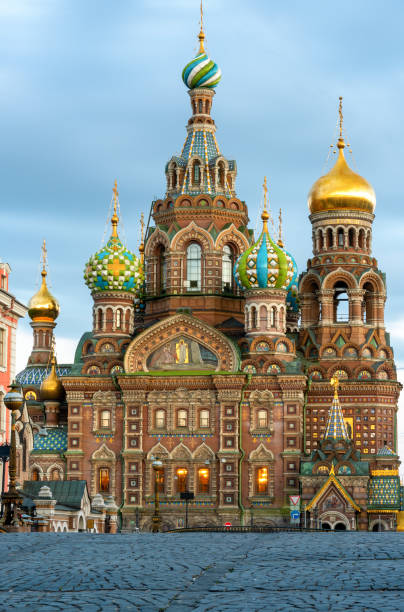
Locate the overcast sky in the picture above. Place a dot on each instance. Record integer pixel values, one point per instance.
(91, 91)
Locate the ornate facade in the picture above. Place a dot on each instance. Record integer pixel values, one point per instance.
(197, 355)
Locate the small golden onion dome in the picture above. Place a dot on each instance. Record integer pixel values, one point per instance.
(341, 189)
(51, 388)
(43, 306)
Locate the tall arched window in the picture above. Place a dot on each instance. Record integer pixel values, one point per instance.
(105, 419)
(341, 302)
(161, 281)
(351, 237)
(100, 319)
(197, 173)
(103, 483)
(118, 319)
(262, 480)
(361, 239)
(330, 238)
(194, 267)
(221, 174)
(340, 237)
(368, 303)
(203, 480)
(254, 318)
(181, 479)
(321, 240)
(227, 268)
(35, 474)
(262, 419)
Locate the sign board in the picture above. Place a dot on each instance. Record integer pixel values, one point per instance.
(294, 515)
(294, 500)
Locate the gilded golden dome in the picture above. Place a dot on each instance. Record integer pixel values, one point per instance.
(341, 188)
(51, 388)
(43, 305)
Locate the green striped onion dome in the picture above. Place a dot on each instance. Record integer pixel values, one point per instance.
(201, 72)
(265, 265)
(114, 268)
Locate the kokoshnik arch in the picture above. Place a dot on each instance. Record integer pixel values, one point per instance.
(210, 351)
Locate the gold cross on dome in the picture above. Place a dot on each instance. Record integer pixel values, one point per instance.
(116, 267)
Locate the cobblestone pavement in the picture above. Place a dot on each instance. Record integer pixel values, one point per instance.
(363, 572)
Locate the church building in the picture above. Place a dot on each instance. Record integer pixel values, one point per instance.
(211, 353)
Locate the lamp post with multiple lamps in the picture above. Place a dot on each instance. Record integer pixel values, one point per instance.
(156, 519)
(11, 499)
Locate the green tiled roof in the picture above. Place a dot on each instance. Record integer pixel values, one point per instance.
(384, 492)
(67, 493)
(52, 439)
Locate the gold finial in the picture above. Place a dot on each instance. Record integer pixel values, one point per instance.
(341, 143)
(44, 260)
(280, 241)
(332, 470)
(265, 214)
(201, 35)
(115, 218)
(334, 382)
(141, 246)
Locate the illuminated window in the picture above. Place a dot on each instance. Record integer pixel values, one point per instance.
(203, 480)
(160, 421)
(204, 418)
(105, 419)
(182, 418)
(262, 419)
(262, 480)
(159, 476)
(182, 479)
(194, 254)
(104, 480)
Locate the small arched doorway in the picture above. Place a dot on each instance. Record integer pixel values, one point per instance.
(379, 526)
(81, 525)
(326, 526)
(339, 527)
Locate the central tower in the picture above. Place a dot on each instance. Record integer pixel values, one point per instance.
(200, 227)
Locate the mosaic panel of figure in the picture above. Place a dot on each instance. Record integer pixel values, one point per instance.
(182, 354)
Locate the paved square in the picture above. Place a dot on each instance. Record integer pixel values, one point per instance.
(203, 571)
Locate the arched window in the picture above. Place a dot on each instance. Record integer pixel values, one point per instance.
(368, 241)
(200, 108)
(330, 238)
(321, 240)
(361, 239)
(340, 237)
(35, 474)
(204, 418)
(351, 237)
(182, 418)
(194, 268)
(160, 479)
(262, 480)
(273, 316)
(100, 319)
(341, 302)
(181, 479)
(254, 318)
(263, 317)
(197, 173)
(105, 419)
(368, 303)
(262, 419)
(160, 419)
(227, 268)
(103, 483)
(203, 480)
(55, 474)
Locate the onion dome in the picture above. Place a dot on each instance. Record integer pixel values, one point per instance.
(201, 71)
(51, 388)
(43, 306)
(114, 267)
(265, 264)
(341, 188)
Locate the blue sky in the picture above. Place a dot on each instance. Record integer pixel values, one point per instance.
(92, 91)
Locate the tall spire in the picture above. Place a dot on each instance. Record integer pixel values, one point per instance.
(265, 214)
(201, 35)
(341, 142)
(115, 218)
(336, 428)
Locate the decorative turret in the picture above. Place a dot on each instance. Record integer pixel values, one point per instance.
(43, 309)
(266, 273)
(336, 428)
(115, 276)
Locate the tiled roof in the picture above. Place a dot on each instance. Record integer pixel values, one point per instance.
(336, 428)
(384, 492)
(386, 451)
(34, 375)
(66, 492)
(52, 439)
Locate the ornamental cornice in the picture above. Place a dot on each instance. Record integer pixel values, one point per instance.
(337, 215)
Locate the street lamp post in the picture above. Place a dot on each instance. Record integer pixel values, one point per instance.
(12, 500)
(156, 519)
